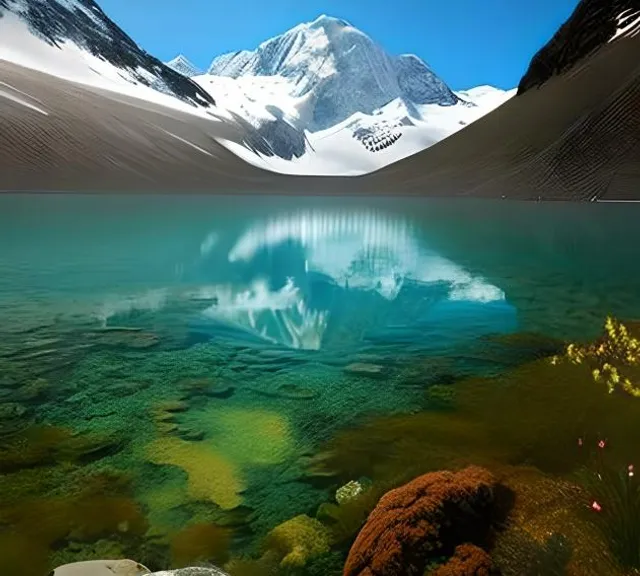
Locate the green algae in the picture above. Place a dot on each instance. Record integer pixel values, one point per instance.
(210, 475)
(244, 465)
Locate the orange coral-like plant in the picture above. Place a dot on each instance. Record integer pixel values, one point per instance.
(421, 520)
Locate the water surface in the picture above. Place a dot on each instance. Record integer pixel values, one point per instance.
(184, 361)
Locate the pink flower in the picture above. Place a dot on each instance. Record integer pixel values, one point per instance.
(630, 470)
(579, 441)
(601, 444)
(595, 506)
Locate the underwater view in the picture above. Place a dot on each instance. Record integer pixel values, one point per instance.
(207, 381)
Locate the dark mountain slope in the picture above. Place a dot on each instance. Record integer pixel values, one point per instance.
(592, 25)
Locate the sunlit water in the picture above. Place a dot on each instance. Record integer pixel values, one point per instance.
(278, 323)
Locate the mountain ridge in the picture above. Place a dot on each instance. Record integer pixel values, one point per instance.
(84, 23)
(184, 66)
(341, 67)
(592, 25)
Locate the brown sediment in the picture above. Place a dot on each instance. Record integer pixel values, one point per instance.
(200, 543)
(547, 509)
(47, 445)
(34, 526)
(534, 414)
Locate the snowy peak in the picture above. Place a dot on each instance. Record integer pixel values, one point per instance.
(340, 68)
(82, 23)
(184, 66)
(325, 20)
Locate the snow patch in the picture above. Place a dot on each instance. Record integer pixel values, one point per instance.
(70, 62)
(184, 66)
(362, 143)
(628, 24)
(184, 141)
(23, 102)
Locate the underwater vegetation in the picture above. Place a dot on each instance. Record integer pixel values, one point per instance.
(427, 518)
(79, 517)
(200, 542)
(199, 458)
(614, 358)
(614, 504)
(288, 549)
(466, 559)
(522, 425)
(530, 415)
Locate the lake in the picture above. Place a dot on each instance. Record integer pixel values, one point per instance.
(187, 380)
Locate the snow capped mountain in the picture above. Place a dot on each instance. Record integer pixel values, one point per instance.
(340, 69)
(75, 39)
(362, 143)
(329, 100)
(322, 98)
(182, 65)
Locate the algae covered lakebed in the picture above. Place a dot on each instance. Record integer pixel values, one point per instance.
(208, 380)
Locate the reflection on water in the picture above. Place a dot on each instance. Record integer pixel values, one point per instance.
(188, 379)
(309, 271)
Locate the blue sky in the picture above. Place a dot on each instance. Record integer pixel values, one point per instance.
(467, 42)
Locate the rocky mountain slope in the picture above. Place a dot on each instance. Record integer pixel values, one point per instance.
(339, 69)
(182, 65)
(83, 23)
(329, 100)
(593, 24)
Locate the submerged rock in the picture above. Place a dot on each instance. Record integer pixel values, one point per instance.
(33, 389)
(210, 387)
(422, 520)
(11, 410)
(102, 568)
(210, 571)
(350, 490)
(14, 417)
(288, 392)
(121, 337)
(45, 445)
(364, 369)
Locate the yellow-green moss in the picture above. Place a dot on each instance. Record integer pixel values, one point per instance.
(211, 476)
(249, 436)
(298, 540)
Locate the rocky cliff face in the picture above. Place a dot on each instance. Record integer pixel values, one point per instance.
(185, 67)
(593, 24)
(340, 69)
(83, 23)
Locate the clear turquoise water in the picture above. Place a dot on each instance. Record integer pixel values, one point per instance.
(116, 301)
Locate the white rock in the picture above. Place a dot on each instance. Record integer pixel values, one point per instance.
(192, 572)
(102, 568)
